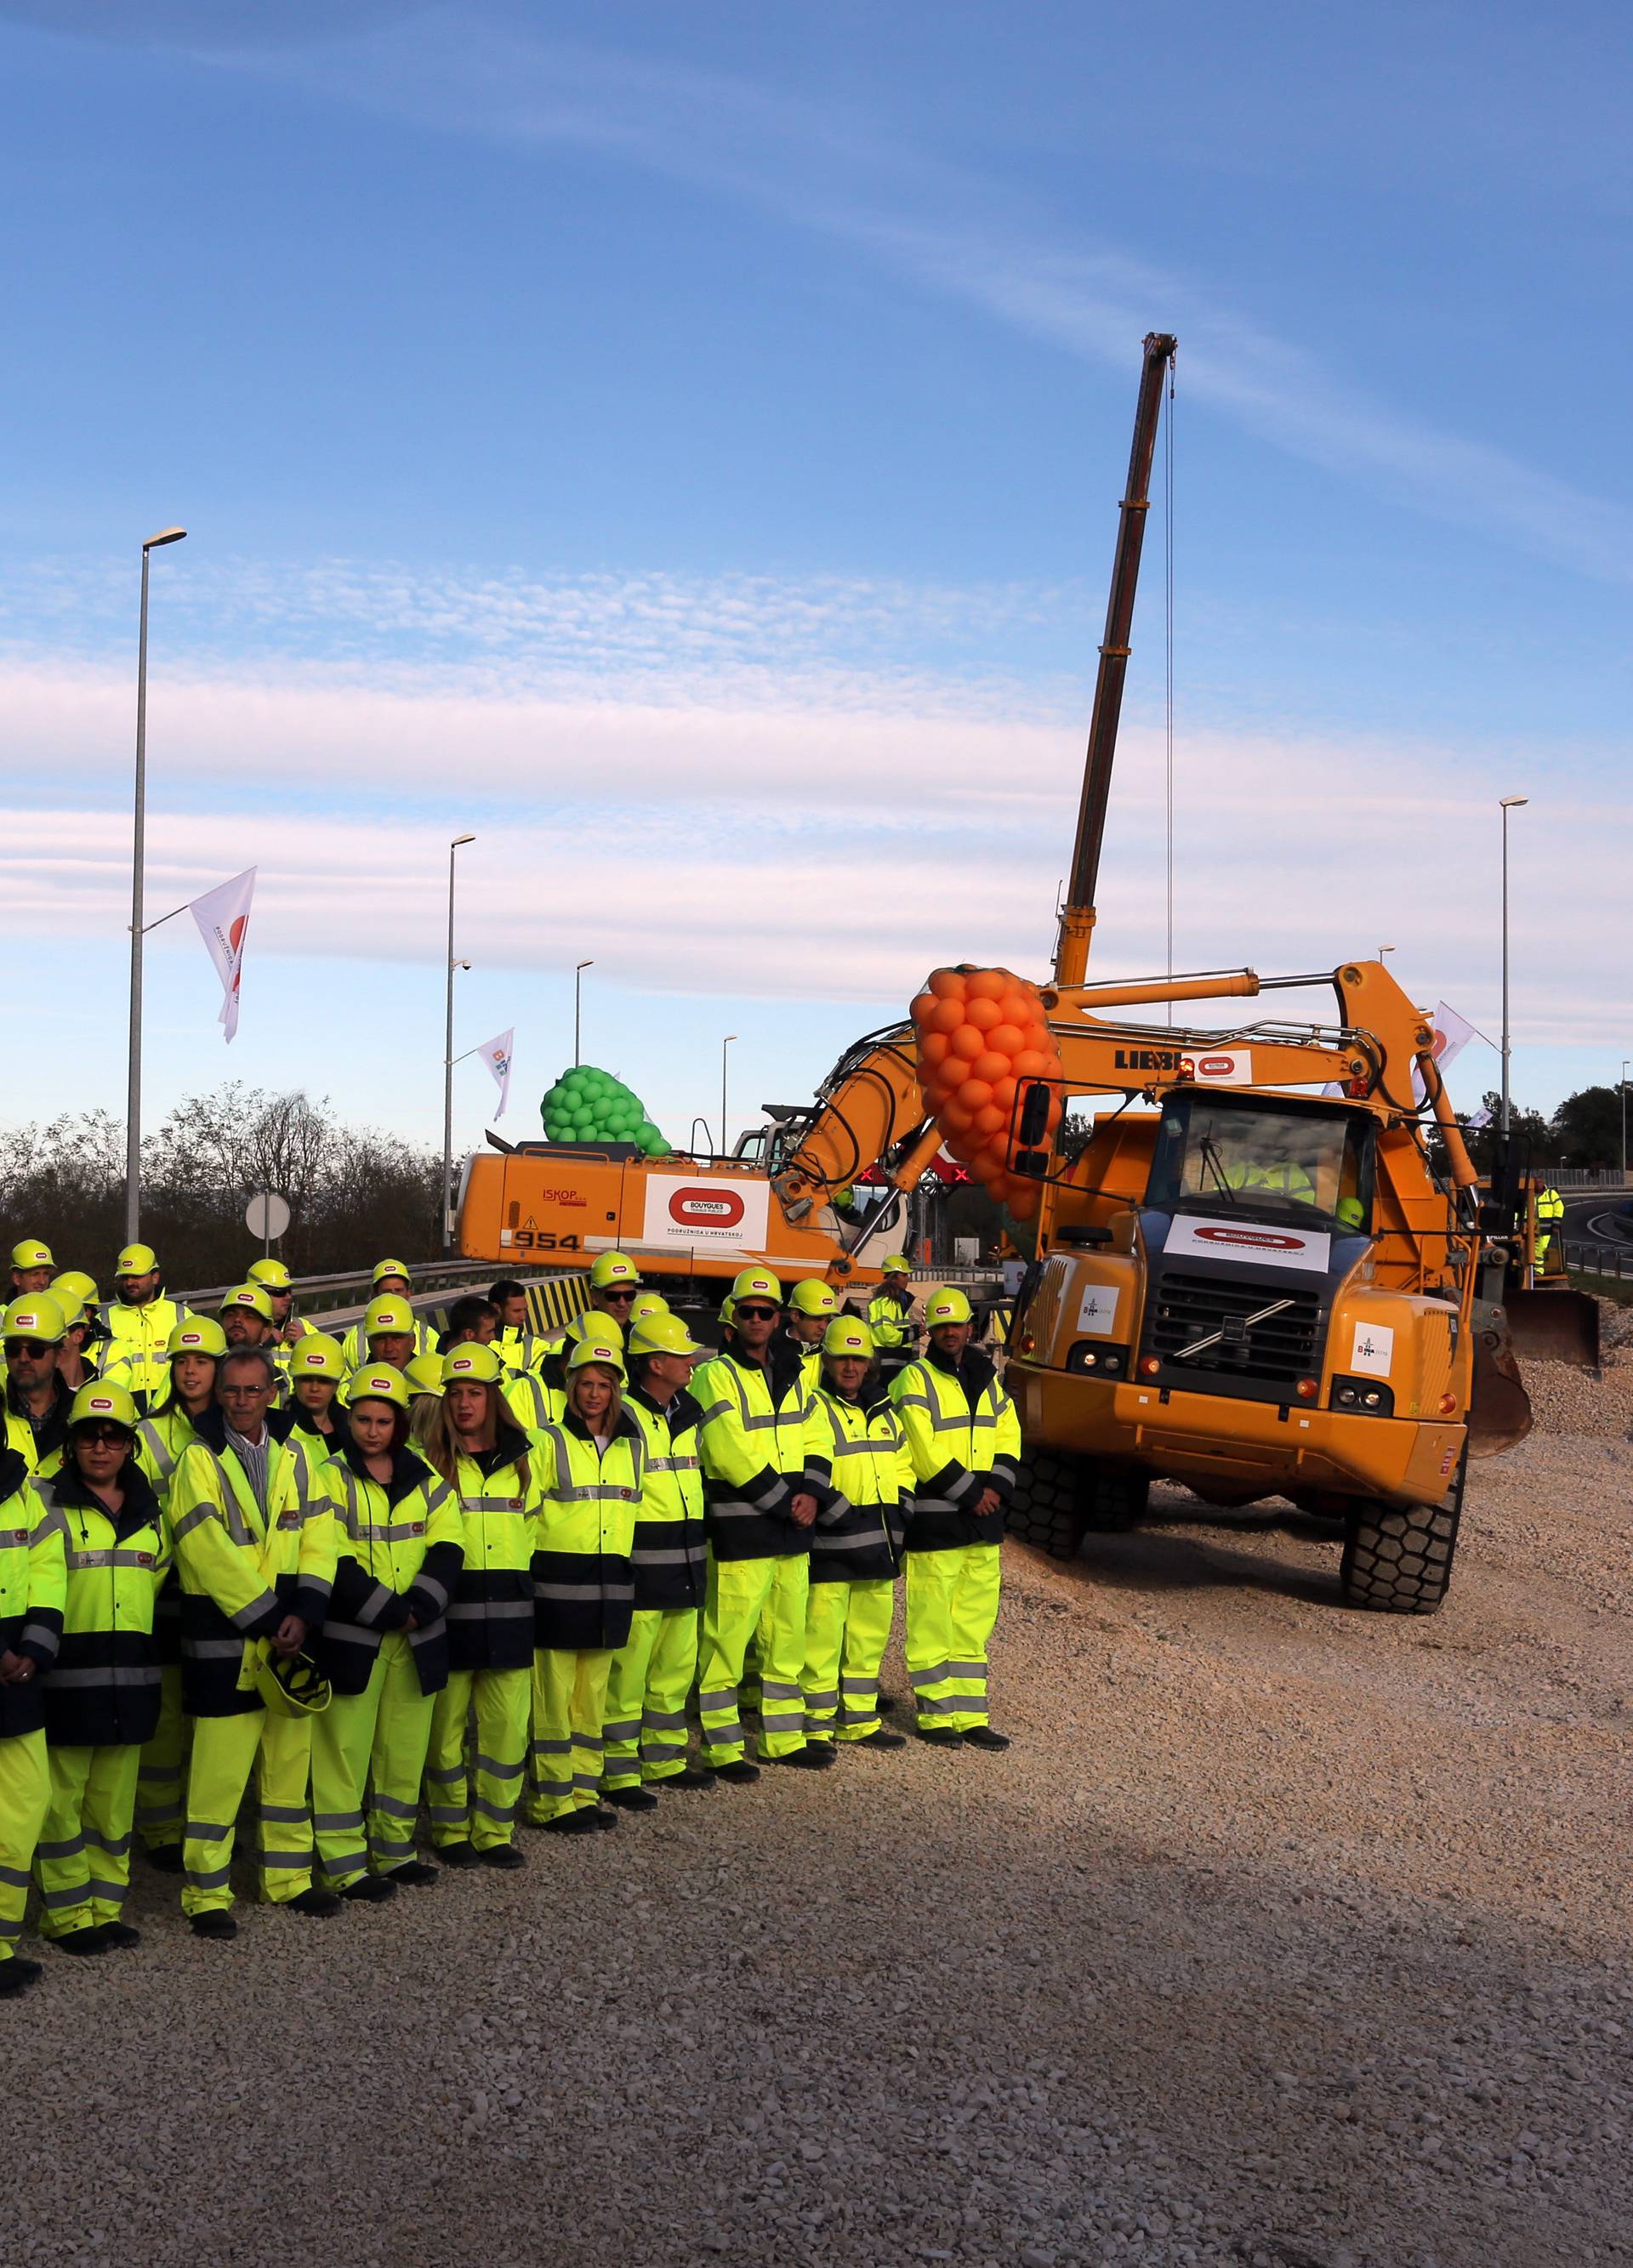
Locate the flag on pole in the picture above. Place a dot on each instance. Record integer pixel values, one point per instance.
(496, 1055)
(1452, 1033)
(223, 918)
(1478, 1118)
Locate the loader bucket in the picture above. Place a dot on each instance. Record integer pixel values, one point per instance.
(1499, 1412)
(1554, 1325)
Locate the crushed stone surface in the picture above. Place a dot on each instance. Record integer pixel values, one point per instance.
(1282, 1936)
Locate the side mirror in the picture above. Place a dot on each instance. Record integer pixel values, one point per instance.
(1034, 1116)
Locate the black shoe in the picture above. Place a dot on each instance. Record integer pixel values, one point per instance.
(216, 1923)
(462, 1853)
(316, 1904)
(741, 1774)
(943, 1736)
(604, 1819)
(982, 1736)
(80, 1941)
(414, 1874)
(116, 1935)
(166, 1859)
(582, 1822)
(505, 1856)
(17, 1975)
(691, 1777)
(630, 1798)
(816, 1756)
(883, 1739)
(369, 1890)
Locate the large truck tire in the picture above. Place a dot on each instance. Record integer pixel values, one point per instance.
(1059, 1500)
(1400, 1563)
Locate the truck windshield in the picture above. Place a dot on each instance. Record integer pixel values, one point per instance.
(1255, 1158)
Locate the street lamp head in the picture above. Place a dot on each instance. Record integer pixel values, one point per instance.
(165, 536)
(730, 1037)
(582, 964)
(458, 839)
(1508, 802)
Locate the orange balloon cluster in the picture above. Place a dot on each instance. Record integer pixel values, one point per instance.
(982, 1033)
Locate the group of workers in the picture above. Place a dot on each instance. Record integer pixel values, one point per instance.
(494, 1579)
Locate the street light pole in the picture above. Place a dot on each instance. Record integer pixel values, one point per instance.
(448, 1061)
(1625, 1117)
(725, 1043)
(133, 1091)
(1506, 804)
(577, 978)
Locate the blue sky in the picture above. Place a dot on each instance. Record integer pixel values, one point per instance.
(680, 446)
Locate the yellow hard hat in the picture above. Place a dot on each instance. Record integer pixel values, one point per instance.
(111, 1404)
(758, 1284)
(291, 1686)
(424, 1373)
(595, 1324)
(202, 1335)
(384, 1268)
(813, 1297)
(386, 1314)
(897, 1265)
(32, 1253)
(648, 1303)
(135, 1259)
(36, 1315)
(471, 1364)
(272, 1273)
(728, 1308)
(610, 1268)
(317, 1355)
(249, 1296)
(949, 1305)
(598, 1347)
(847, 1335)
(664, 1334)
(376, 1381)
(73, 1310)
(74, 1284)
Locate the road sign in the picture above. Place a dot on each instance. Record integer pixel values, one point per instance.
(267, 1215)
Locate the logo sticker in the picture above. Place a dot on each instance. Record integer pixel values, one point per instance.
(1372, 1350)
(706, 1208)
(1221, 1067)
(1096, 1310)
(1249, 1240)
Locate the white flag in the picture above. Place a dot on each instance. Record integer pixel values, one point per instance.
(496, 1055)
(223, 918)
(1452, 1033)
(1478, 1118)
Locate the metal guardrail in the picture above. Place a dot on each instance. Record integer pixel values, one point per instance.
(1615, 1260)
(425, 1276)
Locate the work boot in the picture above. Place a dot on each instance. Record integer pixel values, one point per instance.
(816, 1756)
(462, 1853)
(117, 1935)
(505, 1856)
(166, 1859)
(316, 1905)
(369, 1890)
(691, 1776)
(982, 1736)
(89, 1939)
(881, 1739)
(603, 1819)
(740, 1773)
(630, 1798)
(582, 1822)
(415, 1874)
(17, 1975)
(942, 1736)
(216, 1923)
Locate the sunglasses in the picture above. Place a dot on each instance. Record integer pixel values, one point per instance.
(757, 1314)
(104, 1437)
(27, 1350)
(620, 1291)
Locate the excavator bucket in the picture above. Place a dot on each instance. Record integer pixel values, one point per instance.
(1546, 1325)
(1499, 1414)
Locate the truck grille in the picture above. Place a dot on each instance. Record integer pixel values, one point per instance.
(1284, 1346)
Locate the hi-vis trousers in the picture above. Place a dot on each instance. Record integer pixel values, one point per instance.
(227, 1752)
(847, 1626)
(738, 1590)
(952, 1604)
(84, 1859)
(569, 1709)
(652, 1677)
(370, 1746)
(486, 1812)
(25, 1799)
(163, 1773)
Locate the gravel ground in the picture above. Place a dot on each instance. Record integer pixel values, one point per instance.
(1281, 1936)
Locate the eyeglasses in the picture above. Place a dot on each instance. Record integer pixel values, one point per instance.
(27, 1350)
(104, 1437)
(620, 1291)
(756, 1314)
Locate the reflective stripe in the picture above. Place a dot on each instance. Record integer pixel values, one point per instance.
(671, 1719)
(387, 1531)
(595, 1493)
(502, 1814)
(213, 1649)
(63, 1680)
(217, 1878)
(284, 1857)
(68, 1850)
(725, 1699)
(206, 1831)
(612, 1591)
(672, 1464)
(77, 1561)
(552, 1748)
(196, 1518)
(497, 1770)
(443, 1778)
(393, 1807)
(338, 1822)
(929, 1676)
(477, 1611)
(284, 1815)
(267, 1603)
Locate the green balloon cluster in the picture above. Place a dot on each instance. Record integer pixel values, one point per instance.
(587, 1105)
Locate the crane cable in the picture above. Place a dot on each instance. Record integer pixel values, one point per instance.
(1168, 687)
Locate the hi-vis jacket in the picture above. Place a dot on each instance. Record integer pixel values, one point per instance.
(309, 1446)
(103, 1687)
(33, 1585)
(668, 1556)
(160, 1440)
(859, 1467)
(355, 1354)
(401, 1546)
(964, 1437)
(888, 1317)
(583, 1583)
(41, 1452)
(521, 1349)
(532, 1403)
(751, 1443)
(243, 1568)
(491, 1612)
(135, 1355)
